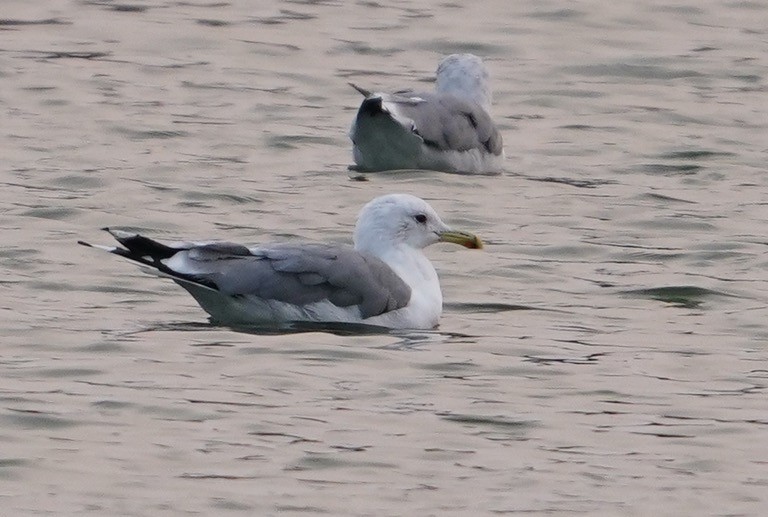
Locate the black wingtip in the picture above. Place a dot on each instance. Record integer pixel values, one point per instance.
(371, 106)
(83, 243)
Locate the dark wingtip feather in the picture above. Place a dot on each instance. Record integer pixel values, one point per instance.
(371, 106)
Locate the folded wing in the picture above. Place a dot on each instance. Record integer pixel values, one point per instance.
(298, 274)
(447, 122)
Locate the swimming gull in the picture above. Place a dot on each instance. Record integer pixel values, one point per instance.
(384, 280)
(449, 129)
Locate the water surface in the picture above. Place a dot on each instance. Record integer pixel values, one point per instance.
(604, 355)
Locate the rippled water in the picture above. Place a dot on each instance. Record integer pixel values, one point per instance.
(605, 355)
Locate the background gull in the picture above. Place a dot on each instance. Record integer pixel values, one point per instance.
(384, 280)
(447, 130)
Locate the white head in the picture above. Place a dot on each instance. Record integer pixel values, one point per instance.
(396, 220)
(465, 75)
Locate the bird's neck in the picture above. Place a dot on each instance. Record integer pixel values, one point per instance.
(415, 269)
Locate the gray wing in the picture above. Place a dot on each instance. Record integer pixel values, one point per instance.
(295, 273)
(448, 122)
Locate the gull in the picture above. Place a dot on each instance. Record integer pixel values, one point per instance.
(449, 129)
(384, 280)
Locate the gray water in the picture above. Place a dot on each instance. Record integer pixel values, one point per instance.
(604, 355)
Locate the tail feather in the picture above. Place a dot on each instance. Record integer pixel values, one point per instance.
(363, 91)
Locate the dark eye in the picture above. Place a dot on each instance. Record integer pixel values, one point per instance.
(420, 218)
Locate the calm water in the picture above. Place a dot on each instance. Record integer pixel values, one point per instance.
(604, 355)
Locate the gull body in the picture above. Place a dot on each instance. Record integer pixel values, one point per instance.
(384, 280)
(449, 129)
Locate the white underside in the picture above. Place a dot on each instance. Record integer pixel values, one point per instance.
(251, 310)
(248, 309)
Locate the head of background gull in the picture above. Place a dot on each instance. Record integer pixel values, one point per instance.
(396, 219)
(465, 75)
